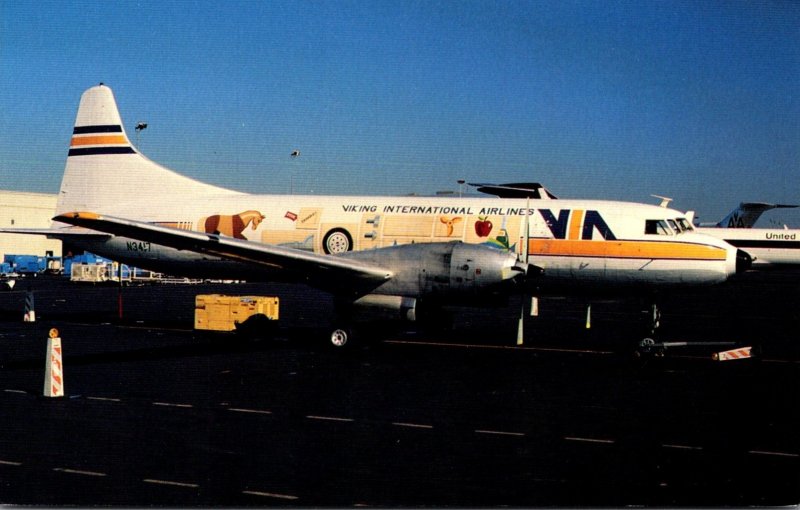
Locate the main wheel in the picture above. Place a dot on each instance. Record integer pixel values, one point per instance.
(336, 241)
(341, 337)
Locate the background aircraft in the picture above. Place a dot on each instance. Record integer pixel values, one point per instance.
(744, 216)
(768, 247)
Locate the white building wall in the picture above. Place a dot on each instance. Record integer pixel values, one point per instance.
(27, 210)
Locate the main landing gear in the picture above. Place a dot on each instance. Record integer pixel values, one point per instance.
(341, 336)
(648, 345)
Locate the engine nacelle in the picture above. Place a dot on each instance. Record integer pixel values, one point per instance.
(406, 307)
(440, 270)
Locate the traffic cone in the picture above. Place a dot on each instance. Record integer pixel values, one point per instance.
(54, 369)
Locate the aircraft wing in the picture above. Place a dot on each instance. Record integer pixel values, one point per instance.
(62, 234)
(339, 275)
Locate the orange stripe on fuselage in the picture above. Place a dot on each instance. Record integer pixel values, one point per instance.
(575, 224)
(98, 140)
(625, 249)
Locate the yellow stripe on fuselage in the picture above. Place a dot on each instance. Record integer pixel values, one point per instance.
(575, 222)
(98, 140)
(670, 250)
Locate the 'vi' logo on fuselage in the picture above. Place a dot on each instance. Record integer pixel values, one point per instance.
(576, 224)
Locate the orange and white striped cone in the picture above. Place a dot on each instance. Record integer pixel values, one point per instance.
(54, 368)
(740, 353)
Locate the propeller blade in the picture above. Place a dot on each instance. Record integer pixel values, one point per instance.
(524, 259)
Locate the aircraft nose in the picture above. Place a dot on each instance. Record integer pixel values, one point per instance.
(743, 261)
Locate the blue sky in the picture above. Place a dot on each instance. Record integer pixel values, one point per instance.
(699, 101)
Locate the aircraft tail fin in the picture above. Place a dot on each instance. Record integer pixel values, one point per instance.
(746, 215)
(103, 167)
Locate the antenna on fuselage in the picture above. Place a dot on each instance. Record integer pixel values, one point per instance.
(664, 200)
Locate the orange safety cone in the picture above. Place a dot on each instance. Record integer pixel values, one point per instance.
(54, 368)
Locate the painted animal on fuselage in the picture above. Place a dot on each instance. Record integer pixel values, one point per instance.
(232, 225)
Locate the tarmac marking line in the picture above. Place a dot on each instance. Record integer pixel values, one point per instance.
(773, 360)
(271, 495)
(79, 472)
(10, 463)
(776, 454)
(682, 447)
(104, 399)
(253, 411)
(500, 433)
(411, 425)
(16, 391)
(169, 404)
(328, 418)
(589, 440)
(170, 482)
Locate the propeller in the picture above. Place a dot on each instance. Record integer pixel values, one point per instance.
(525, 234)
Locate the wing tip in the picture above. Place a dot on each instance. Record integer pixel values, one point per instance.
(76, 215)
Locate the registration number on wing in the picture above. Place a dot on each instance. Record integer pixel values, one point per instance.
(138, 246)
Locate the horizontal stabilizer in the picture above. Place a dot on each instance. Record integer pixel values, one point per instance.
(514, 190)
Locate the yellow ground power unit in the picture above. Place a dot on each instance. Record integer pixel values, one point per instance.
(216, 312)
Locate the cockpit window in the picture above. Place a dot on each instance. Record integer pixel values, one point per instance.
(674, 225)
(657, 227)
(684, 224)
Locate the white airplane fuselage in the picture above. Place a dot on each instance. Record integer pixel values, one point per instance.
(576, 242)
(767, 246)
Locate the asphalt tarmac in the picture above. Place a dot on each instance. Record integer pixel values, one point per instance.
(159, 414)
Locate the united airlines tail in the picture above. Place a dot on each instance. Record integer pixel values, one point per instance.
(103, 168)
(745, 216)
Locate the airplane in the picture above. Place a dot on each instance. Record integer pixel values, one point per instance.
(410, 255)
(770, 248)
(744, 216)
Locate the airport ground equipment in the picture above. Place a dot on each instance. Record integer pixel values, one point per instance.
(216, 312)
(30, 264)
(54, 368)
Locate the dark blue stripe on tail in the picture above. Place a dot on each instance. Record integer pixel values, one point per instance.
(107, 128)
(91, 151)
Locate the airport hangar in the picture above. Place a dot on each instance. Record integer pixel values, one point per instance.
(21, 209)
